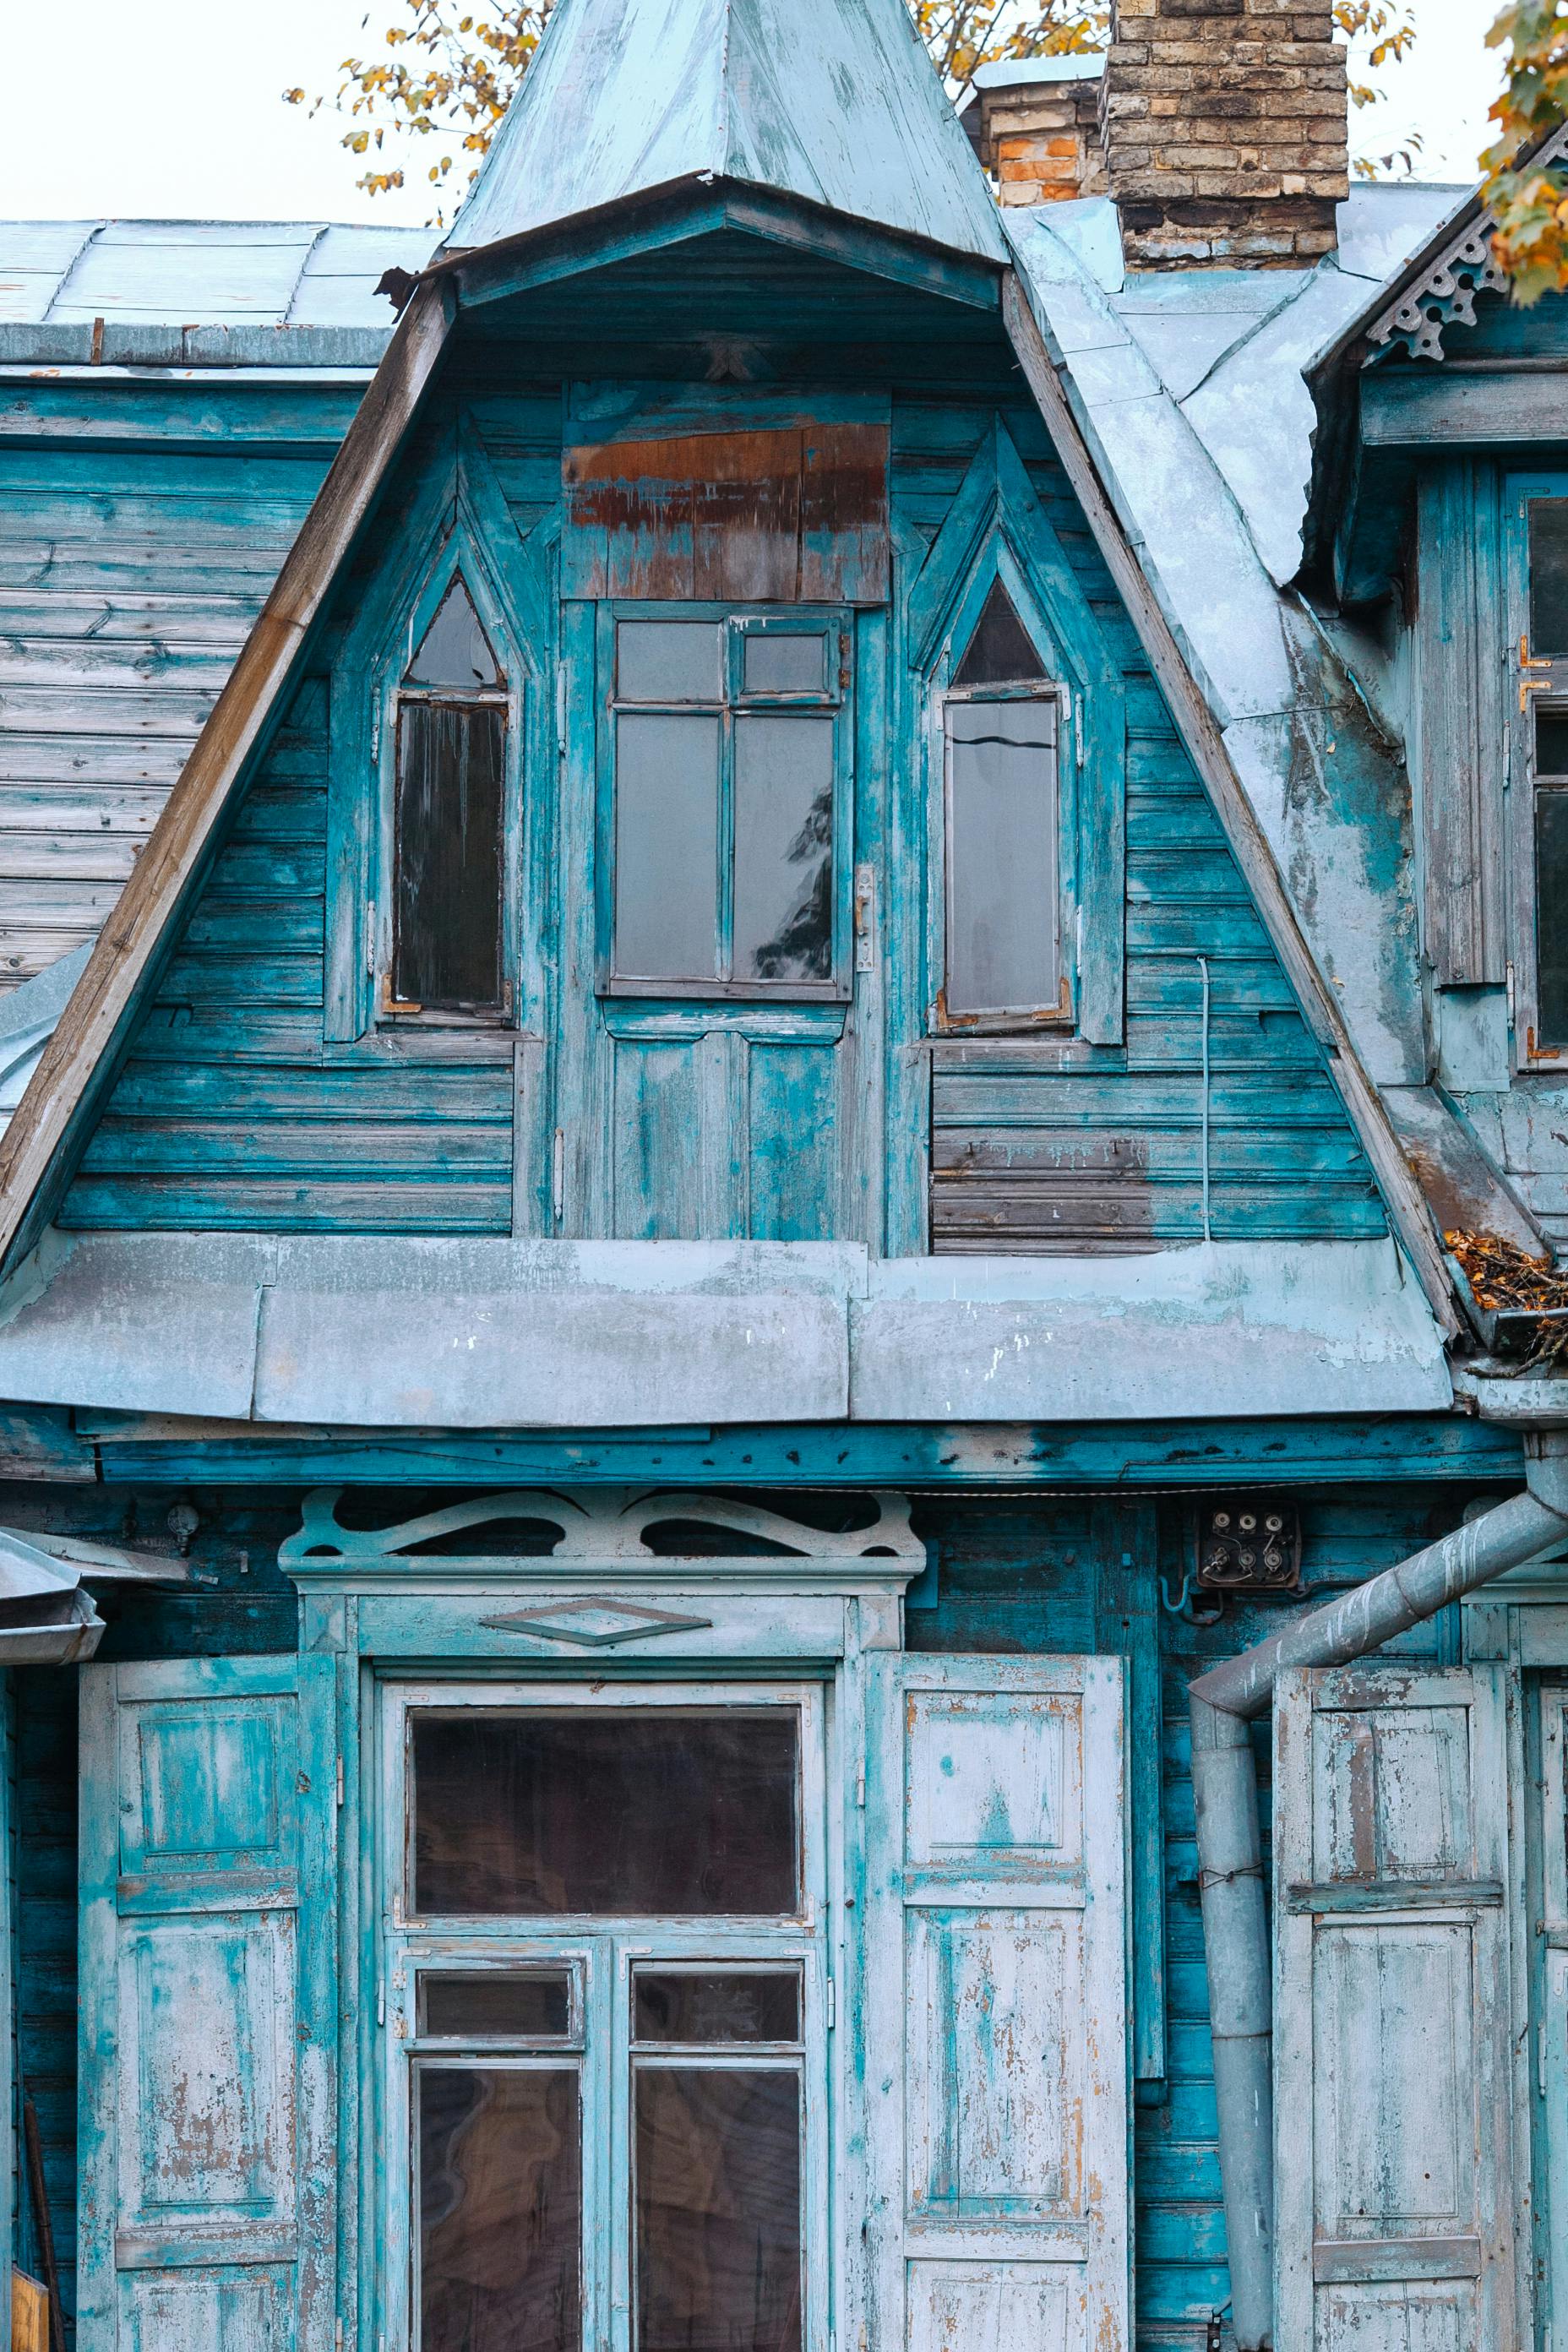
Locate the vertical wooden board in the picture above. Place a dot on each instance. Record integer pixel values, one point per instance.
(1461, 717)
(1394, 2033)
(660, 1141)
(209, 2006)
(995, 2004)
(795, 1140)
(1127, 1624)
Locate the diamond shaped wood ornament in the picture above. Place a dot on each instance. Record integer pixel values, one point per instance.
(596, 1624)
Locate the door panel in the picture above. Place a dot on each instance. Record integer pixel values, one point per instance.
(208, 2007)
(1392, 2011)
(994, 2015)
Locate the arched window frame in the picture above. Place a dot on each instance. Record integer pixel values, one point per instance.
(997, 530)
(457, 522)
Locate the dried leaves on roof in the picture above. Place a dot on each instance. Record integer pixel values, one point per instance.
(1504, 1278)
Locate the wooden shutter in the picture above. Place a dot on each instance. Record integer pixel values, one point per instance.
(994, 2006)
(1392, 2008)
(208, 2007)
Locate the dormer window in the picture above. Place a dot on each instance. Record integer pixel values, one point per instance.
(447, 928)
(1003, 956)
(726, 834)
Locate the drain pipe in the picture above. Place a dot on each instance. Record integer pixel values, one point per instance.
(1230, 1846)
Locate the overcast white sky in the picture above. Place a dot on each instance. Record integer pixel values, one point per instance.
(171, 108)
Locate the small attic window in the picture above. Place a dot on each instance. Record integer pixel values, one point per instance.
(1003, 950)
(447, 852)
(999, 653)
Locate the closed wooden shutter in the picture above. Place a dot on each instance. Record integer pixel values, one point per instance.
(1392, 2013)
(208, 2008)
(994, 2025)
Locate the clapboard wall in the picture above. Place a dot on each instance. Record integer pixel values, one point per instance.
(140, 527)
(235, 1112)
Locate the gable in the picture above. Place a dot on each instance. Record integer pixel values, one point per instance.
(258, 1092)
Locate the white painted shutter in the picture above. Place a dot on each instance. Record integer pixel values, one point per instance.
(208, 2141)
(994, 2008)
(1392, 2035)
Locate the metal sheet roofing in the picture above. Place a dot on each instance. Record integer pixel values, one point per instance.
(195, 274)
(833, 100)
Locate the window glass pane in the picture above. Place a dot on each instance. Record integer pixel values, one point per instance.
(1551, 742)
(667, 847)
(999, 653)
(521, 2007)
(668, 661)
(454, 650)
(1552, 920)
(1002, 953)
(446, 916)
(785, 664)
(1549, 576)
(733, 2007)
(784, 847)
(717, 2210)
(622, 1811)
(500, 2200)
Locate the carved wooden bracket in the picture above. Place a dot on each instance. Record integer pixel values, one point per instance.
(600, 1524)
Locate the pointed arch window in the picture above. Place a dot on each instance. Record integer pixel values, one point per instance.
(449, 817)
(1004, 946)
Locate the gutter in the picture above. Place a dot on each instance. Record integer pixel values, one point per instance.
(1230, 1845)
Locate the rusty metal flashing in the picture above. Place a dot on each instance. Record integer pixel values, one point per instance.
(37, 1151)
(1200, 733)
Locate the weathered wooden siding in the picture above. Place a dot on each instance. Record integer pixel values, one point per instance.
(1050, 1144)
(129, 579)
(233, 1111)
(1013, 1575)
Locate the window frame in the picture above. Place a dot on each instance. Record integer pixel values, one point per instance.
(837, 699)
(1057, 688)
(1530, 680)
(602, 1953)
(459, 557)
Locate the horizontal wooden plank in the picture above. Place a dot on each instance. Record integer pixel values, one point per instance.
(126, 811)
(110, 664)
(218, 977)
(1140, 1154)
(285, 1205)
(172, 710)
(417, 1094)
(374, 1151)
(113, 761)
(128, 617)
(105, 855)
(974, 1098)
(248, 928)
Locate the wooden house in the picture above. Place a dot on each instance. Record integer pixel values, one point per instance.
(764, 1585)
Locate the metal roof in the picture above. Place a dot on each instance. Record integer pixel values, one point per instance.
(833, 100)
(167, 293)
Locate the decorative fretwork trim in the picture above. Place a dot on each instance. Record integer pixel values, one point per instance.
(1444, 293)
(598, 1524)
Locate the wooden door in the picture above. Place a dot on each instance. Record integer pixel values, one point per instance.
(993, 2033)
(209, 2020)
(1394, 2182)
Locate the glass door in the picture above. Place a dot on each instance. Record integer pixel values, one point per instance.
(605, 2069)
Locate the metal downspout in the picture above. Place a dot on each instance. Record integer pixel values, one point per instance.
(1230, 1846)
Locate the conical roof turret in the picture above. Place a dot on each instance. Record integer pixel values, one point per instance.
(833, 100)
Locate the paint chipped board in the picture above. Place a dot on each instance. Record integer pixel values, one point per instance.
(786, 515)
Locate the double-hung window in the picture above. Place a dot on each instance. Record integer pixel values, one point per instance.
(725, 841)
(1004, 961)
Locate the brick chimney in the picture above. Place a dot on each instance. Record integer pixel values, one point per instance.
(1224, 128)
(1036, 125)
